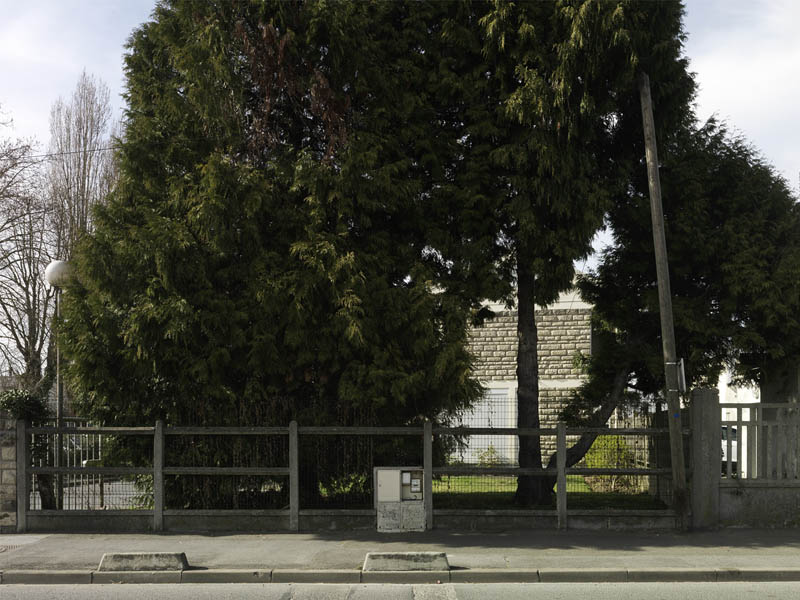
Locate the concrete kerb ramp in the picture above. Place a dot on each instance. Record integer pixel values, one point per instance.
(143, 561)
(406, 561)
(405, 567)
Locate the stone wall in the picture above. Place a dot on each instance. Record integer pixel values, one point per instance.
(564, 332)
(8, 474)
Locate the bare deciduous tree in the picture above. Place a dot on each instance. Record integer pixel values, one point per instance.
(45, 206)
(81, 164)
(19, 217)
(25, 300)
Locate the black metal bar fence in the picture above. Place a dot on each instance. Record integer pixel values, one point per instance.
(287, 472)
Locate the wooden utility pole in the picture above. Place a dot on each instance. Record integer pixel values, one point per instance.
(665, 305)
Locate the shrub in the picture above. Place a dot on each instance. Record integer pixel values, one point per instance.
(490, 457)
(21, 404)
(609, 452)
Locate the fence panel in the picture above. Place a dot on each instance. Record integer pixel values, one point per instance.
(226, 468)
(478, 467)
(761, 442)
(223, 471)
(100, 469)
(336, 463)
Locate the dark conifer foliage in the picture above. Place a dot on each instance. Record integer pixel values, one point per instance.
(316, 196)
(264, 257)
(733, 237)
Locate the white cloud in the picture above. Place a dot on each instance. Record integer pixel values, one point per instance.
(747, 58)
(44, 46)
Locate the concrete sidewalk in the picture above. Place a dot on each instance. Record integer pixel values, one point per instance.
(520, 556)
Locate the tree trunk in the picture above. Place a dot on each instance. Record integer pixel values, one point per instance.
(543, 484)
(598, 419)
(531, 489)
(46, 486)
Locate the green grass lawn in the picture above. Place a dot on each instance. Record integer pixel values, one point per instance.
(481, 492)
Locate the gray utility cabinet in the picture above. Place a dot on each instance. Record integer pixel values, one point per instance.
(398, 499)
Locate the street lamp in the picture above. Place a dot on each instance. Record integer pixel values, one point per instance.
(57, 274)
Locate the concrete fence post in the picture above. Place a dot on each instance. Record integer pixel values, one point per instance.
(561, 481)
(427, 473)
(22, 476)
(9, 444)
(706, 458)
(158, 476)
(294, 478)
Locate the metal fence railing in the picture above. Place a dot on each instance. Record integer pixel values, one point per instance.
(624, 468)
(79, 487)
(288, 471)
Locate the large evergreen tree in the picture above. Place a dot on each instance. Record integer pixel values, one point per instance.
(733, 236)
(262, 258)
(314, 196)
(552, 134)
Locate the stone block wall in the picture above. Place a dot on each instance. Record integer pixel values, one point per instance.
(8, 474)
(564, 332)
(495, 347)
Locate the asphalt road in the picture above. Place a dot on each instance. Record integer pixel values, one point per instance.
(506, 591)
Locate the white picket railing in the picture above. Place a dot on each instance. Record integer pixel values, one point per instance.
(761, 442)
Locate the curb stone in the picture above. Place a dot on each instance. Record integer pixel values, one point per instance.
(226, 576)
(354, 576)
(27, 576)
(494, 576)
(405, 576)
(672, 574)
(136, 576)
(583, 575)
(316, 576)
(770, 574)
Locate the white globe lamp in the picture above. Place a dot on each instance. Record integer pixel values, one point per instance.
(57, 273)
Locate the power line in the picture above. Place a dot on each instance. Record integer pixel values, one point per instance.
(53, 154)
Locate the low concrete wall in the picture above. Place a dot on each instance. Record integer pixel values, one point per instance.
(197, 521)
(200, 521)
(504, 520)
(646, 520)
(757, 505)
(128, 521)
(321, 520)
(8, 474)
(122, 521)
(494, 520)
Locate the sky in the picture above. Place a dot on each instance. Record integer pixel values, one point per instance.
(745, 53)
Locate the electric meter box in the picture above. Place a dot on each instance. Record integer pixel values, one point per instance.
(398, 498)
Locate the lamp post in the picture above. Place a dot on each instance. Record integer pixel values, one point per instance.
(56, 274)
